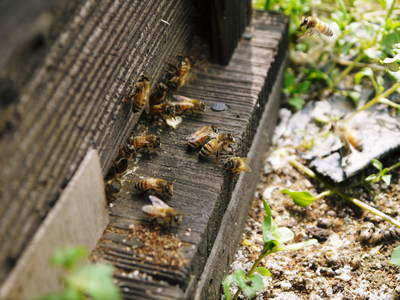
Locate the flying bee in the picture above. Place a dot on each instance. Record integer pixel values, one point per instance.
(237, 165)
(313, 24)
(163, 109)
(162, 213)
(348, 137)
(180, 76)
(216, 145)
(201, 136)
(145, 142)
(141, 94)
(159, 95)
(154, 185)
(186, 104)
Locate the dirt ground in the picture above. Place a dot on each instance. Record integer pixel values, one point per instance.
(351, 260)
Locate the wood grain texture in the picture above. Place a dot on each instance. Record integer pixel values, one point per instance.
(72, 101)
(81, 205)
(156, 263)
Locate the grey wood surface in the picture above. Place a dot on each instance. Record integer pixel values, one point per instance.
(71, 98)
(156, 263)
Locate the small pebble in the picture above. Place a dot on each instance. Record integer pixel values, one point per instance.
(219, 106)
(247, 36)
(285, 285)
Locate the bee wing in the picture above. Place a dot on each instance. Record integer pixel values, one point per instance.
(150, 210)
(181, 98)
(155, 201)
(147, 105)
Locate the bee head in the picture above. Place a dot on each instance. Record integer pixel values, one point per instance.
(178, 219)
(228, 164)
(144, 77)
(168, 189)
(202, 106)
(170, 110)
(305, 21)
(157, 141)
(113, 186)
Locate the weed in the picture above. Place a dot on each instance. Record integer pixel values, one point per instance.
(82, 280)
(274, 238)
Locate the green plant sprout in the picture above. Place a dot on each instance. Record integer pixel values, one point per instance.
(81, 281)
(274, 238)
(305, 197)
(382, 174)
(395, 257)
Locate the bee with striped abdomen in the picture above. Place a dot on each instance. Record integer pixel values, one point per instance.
(313, 24)
(141, 94)
(186, 104)
(159, 95)
(163, 109)
(145, 143)
(179, 77)
(154, 185)
(348, 136)
(162, 213)
(112, 186)
(237, 165)
(216, 145)
(201, 136)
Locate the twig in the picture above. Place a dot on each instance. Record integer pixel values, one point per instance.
(303, 169)
(375, 100)
(345, 62)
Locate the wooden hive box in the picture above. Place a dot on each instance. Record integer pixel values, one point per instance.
(65, 69)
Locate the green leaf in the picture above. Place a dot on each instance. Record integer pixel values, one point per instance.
(66, 294)
(283, 234)
(395, 257)
(94, 280)
(68, 257)
(302, 198)
(372, 178)
(296, 102)
(386, 179)
(365, 72)
(249, 285)
(263, 271)
(269, 227)
(303, 87)
(377, 164)
(298, 246)
(289, 81)
(226, 285)
(389, 40)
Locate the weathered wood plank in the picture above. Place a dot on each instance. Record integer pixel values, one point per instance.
(82, 205)
(73, 102)
(202, 190)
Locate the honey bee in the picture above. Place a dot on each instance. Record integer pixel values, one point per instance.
(159, 95)
(145, 143)
(112, 186)
(141, 94)
(201, 136)
(215, 145)
(237, 165)
(162, 213)
(186, 104)
(154, 185)
(313, 24)
(181, 73)
(164, 109)
(348, 136)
